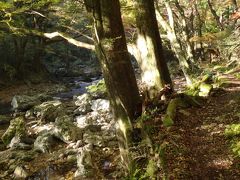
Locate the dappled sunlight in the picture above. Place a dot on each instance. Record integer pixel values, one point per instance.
(150, 74)
(149, 77)
(221, 163)
(142, 46)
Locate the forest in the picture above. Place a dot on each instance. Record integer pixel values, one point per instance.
(120, 89)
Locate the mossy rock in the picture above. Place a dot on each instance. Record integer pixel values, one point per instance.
(16, 128)
(167, 121)
(49, 111)
(66, 130)
(98, 90)
(205, 89)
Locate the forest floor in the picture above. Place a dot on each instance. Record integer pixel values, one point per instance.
(197, 144)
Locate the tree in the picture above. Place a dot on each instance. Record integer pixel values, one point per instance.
(154, 70)
(176, 46)
(32, 27)
(118, 73)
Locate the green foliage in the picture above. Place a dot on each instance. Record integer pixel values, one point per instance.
(151, 169)
(235, 146)
(167, 121)
(99, 87)
(233, 131)
(138, 173)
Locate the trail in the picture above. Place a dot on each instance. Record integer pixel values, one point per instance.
(200, 150)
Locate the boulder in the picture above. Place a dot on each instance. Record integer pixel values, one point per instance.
(48, 111)
(16, 128)
(66, 130)
(84, 164)
(82, 121)
(44, 142)
(205, 89)
(24, 102)
(84, 103)
(18, 143)
(97, 89)
(20, 173)
(101, 105)
(95, 139)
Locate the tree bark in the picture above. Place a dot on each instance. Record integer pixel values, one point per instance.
(234, 4)
(175, 43)
(216, 17)
(153, 65)
(118, 73)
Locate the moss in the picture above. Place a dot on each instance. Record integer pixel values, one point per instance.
(151, 168)
(99, 87)
(16, 128)
(168, 119)
(205, 89)
(232, 130)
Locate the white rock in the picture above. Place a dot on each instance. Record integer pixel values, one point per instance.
(20, 173)
(82, 121)
(100, 105)
(83, 99)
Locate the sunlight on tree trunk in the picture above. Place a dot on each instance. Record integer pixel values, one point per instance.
(118, 73)
(155, 74)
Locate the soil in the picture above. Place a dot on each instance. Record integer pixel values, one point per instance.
(198, 148)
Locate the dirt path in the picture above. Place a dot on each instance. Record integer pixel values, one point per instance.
(199, 148)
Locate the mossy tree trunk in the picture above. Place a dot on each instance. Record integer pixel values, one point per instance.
(155, 74)
(118, 73)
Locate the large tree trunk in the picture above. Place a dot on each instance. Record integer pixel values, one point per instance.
(155, 74)
(118, 73)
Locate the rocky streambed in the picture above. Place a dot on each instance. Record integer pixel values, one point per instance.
(64, 135)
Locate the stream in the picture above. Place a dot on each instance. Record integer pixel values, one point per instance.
(76, 87)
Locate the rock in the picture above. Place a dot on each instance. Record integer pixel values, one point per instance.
(205, 89)
(29, 114)
(97, 89)
(100, 105)
(20, 172)
(43, 128)
(17, 143)
(84, 164)
(84, 103)
(95, 139)
(83, 99)
(4, 119)
(112, 144)
(16, 128)
(82, 121)
(78, 144)
(48, 111)
(24, 102)
(93, 128)
(66, 130)
(44, 142)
